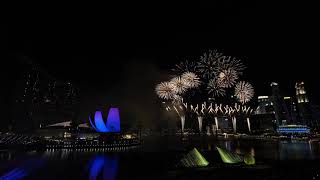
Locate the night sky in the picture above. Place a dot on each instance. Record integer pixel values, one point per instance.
(117, 56)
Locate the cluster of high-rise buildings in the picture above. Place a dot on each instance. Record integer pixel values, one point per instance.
(276, 110)
(40, 99)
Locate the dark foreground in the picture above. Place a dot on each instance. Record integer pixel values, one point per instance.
(274, 160)
(140, 165)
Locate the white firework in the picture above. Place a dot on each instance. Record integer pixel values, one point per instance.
(179, 85)
(165, 90)
(228, 62)
(184, 66)
(207, 64)
(244, 91)
(227, 71)
(227, 78)
(177, 99)
(190, 79)
(215, 89)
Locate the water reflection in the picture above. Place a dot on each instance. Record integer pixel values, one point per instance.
(57, 154)
(103, 166)
(5, 155)
(275, 150)
(252, 152)
(295, 150)
(227, 145)
(25, 169)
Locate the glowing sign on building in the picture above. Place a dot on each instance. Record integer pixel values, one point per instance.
(293, 129)
(112, 124)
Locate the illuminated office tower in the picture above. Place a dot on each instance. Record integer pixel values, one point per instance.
(265, 105)
(290, 110)
(301, 93)
(39, 99)
(277, 101)
(263, 118)
(304, 109)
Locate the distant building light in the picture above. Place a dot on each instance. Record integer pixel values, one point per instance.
(263, 97)
(285, 129)
(274, 84)
(287, 97)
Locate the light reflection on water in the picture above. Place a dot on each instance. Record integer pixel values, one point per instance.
(99, 164)
(296, 150)
(104, 166)
(24, 169)
(273, 150)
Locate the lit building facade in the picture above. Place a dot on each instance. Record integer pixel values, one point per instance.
(290, 110)
(263, 119)
(304, 108)
(265, 105)
(111, 124)
(293, 129)
(275, 110)
(277, 101)
(301, 93)
(39, 99)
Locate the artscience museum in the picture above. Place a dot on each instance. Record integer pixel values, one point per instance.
(110, 125)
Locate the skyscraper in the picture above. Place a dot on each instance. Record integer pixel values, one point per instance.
(277, 103)
(290, 110)
(39, 99)
(301, 93)
(305, 115)
(263, 119)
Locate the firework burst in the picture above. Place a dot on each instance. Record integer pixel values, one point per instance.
(207, 64)
(190, 79)
(215, 89)
(184, 66)
(244, 91)
(165, 90)
(179, 86)
(227, 78)
(177, 100)
(228, 62)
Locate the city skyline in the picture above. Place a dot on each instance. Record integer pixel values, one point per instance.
(118, 64)
(161, 91)
(104, 104)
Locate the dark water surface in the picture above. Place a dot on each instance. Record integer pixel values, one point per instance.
(157, 157)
